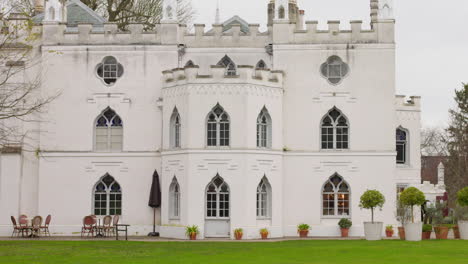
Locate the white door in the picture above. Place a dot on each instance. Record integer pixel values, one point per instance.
(217, 211)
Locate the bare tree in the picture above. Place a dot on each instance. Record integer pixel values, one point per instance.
(147, 12)
(456, 166)
(433, 141)
(21, 100)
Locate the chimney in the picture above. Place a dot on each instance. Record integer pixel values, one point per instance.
(300, 20)
(38, 7)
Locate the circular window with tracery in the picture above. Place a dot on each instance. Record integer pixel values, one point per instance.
(334, 70)
(109, 70)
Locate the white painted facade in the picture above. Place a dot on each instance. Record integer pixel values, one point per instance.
(154, 82)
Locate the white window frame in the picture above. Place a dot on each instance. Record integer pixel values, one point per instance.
(218, 194)
(113, 71)
(335, 194)
(108, 194)
(175, 130)
(174, 200)
(406, 146)
(334, 61)
(219, 123)
(264, 200)
(264, 131)
(335, 127)
(229, 65)
(110, 130)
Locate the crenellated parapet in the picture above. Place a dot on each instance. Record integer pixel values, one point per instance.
(246, 75)
(55, 33)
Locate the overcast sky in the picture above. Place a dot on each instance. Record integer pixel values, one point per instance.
(432, 41)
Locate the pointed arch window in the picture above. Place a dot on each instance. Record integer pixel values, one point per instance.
(109, 132)
(335, 130)
(281, 12)
(189, 64)
(175, 129)
(218, 128)
(107, 197)
(109, 70)
(174, 199)
(217, 199)
(261, 65)
(264, 129)
(264, 199)
(336, 197)
(401, 145)
(231, 68)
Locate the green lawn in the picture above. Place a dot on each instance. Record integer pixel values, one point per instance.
(290, 252)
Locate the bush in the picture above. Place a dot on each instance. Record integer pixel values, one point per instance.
(427, 228)
(461, 213)
(462, 197)
(372, 199)
(303, 227)
(345, 223)
(411, 197)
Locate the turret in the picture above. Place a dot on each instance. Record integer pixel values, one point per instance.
(169, 11)
(381, 10)
(55, 11)
(291, 11)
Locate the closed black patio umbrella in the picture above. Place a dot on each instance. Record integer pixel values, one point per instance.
(155, 200)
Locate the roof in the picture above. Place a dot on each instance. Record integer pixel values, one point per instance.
(235, 20)
(77, 12)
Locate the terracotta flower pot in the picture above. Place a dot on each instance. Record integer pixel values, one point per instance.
(426, 235)
(456, 232)
(264, 235)
(441, 232)
(238, 235)
(303, 233)
(401, 233)
(193, 236)
(344, 232)
(389, 233)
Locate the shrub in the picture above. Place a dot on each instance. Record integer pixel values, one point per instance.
(461, 213)
(411, 197)
(303, 227)
(345, 223)
(189, 230)
(462, 197)
(238, 231)
(389, 228)
(372, 199)
(427, 228)
(264, 231)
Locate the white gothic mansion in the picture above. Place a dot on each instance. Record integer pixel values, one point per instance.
(246, 129)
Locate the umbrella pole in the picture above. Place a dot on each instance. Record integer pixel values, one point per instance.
(154, 224)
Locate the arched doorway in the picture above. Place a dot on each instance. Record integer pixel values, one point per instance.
(217, 208)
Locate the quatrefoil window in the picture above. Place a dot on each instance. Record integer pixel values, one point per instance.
(109, 70)
(334, 70)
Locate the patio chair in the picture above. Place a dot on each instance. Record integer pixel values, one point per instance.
(23, 223)
(45, 227)
(36, 225)
(106, 225)
(115, 222)
(16, 228)
(89, 226)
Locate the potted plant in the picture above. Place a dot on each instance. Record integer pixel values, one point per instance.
(389, 231)
(372, 199)
(238, 233)
(264, 233)
(462, 213)
(303, 230)
(403, 216)
(345, 224)
(441, 224)
(426, 231)
(413, 197)
(192, 232)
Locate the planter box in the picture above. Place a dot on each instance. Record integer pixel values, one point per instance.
(463, 227)
(413, 231)
(373, 231)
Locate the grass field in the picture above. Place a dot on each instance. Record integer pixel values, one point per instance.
(290, 252)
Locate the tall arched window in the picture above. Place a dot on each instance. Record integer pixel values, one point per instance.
(281, 12)
(174, 200)
(264, 129)
(107, 197)
(175, 129)
(335, 130)
(401, 145)
(264, 199)
(109, 132)
(217, 128)
(231, 68)
(217, 199)
(335, 197)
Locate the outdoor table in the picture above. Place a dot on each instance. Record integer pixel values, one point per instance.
(99, 229)
(124, 229)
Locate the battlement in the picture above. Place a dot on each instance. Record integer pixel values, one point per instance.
(54, 33)
(246, 75)
(402, 103)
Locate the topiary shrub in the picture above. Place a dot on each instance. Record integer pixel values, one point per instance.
(411, 197)
(345, 223)
(372, 199)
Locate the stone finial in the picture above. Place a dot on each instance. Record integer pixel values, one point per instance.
(56, 11)
(169, 11)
